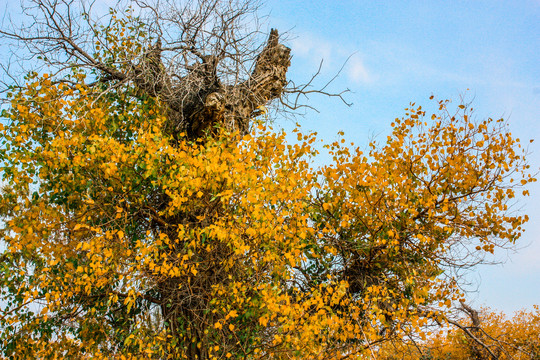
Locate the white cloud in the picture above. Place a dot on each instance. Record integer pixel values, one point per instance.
(313, 49)
(357, 71)
(316, 49)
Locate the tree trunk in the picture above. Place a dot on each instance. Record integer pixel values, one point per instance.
(199, 101)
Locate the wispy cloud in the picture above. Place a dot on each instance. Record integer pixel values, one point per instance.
(357, 71)
(313, 50)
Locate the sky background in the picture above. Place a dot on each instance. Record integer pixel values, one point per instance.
(404, 52)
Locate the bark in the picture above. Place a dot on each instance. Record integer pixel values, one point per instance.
(199, 101)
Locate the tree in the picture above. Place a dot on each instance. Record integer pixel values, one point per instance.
(150, 211)
(484, 334)
(197, 59)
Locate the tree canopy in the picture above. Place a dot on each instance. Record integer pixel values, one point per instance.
(492, 336)
(150, 210)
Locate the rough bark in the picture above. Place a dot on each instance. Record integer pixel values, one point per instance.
(199, 101)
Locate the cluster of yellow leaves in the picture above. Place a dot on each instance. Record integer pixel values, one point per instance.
(122, 241)
(506, 338)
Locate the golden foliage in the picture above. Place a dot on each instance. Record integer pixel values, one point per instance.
(122, 242)
(498, 337)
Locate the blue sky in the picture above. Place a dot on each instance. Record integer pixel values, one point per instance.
(405, 51)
